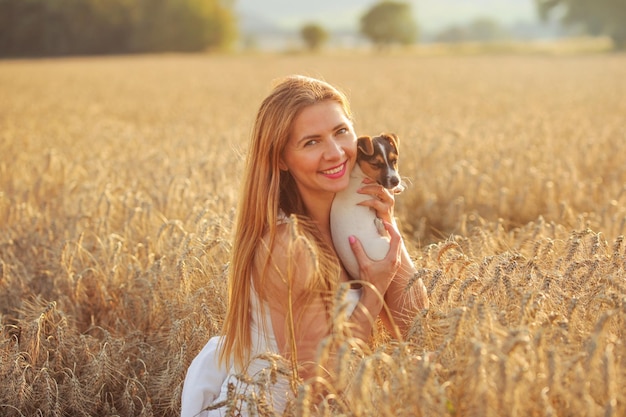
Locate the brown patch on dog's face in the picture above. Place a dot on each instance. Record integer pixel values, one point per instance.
(378, 159)
(392, 138)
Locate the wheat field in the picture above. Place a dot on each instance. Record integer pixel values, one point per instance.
(118, 185)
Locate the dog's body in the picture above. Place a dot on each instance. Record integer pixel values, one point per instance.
(376, 159)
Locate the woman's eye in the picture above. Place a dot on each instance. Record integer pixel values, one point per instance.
(310, 142)
(342, 131)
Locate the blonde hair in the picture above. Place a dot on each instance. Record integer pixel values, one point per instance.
(265, 191)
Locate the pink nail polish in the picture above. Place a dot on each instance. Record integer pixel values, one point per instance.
(352, 239)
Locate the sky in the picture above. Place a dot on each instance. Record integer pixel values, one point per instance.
(344, 14)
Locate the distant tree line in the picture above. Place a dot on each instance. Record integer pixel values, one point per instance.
(385, 23)
(391, 22)
(71, 27)
(598, 17)
(482, 29)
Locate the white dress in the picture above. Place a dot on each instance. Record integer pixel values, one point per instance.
(207, 383)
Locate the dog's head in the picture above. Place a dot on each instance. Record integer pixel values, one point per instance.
(378, 158)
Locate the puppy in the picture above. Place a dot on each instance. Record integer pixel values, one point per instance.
(377, 158)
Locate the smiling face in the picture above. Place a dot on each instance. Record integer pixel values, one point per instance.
(320, 152)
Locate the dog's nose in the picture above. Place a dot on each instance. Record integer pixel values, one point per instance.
(394, 181)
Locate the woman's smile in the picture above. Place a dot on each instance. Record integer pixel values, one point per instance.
(336, 172)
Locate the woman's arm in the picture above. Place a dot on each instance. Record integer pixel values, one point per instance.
(299, 327)
(403, 302)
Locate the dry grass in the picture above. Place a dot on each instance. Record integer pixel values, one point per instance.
(118, 182)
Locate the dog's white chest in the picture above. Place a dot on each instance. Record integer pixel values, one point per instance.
(347, 219)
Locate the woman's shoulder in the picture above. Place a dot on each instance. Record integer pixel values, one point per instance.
(274, 240)
(278, 258)
(285, 247)
(280, 245)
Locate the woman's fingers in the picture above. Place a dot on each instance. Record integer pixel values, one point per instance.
(394, 246)
(394, 241)
(357, 248)
(380, 272)
(382, 201)
(377, 192)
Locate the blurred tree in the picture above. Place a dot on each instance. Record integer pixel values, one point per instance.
(314, 35)
(28, 32)
(67, 27)
(598, 16)
(183, 25)
(40, 27)
(389, 22)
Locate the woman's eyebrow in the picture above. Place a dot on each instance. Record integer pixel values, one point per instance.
(317, 135)
(309, 137)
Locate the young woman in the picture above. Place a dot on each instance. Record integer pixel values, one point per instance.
(284, 274)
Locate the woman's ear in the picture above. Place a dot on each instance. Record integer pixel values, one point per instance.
(282, 165)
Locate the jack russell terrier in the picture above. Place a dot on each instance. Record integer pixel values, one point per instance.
(377, 158)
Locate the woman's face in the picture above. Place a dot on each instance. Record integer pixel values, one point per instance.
(321, 150)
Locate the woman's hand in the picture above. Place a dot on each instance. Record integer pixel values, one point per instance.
(376, 278)
(379, 273)
(382, 201)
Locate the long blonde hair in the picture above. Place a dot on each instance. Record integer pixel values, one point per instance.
(265, 191)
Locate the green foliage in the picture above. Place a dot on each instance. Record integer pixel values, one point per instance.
(67, 27)
(389, 22)
(314, 35)
(598, 16)
(184, 25)
(35, 27)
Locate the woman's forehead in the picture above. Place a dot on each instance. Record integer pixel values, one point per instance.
(319, 115)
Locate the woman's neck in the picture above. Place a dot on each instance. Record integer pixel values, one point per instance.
(319, 212)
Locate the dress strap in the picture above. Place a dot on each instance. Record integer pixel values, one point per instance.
(282, 217)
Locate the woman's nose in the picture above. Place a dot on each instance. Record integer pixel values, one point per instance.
(334, 150)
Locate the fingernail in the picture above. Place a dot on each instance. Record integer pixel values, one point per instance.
(352, 239)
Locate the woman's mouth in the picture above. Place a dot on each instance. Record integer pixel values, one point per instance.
(335, 172)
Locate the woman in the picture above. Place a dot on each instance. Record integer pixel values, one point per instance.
(284, 273)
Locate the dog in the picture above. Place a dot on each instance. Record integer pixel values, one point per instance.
(377, 158)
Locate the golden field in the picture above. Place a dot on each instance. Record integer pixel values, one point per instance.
(118, 184)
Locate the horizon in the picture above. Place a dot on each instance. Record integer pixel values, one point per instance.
(430, 15)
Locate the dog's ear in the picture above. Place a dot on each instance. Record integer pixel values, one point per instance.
(392, 138)
(364, 144)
